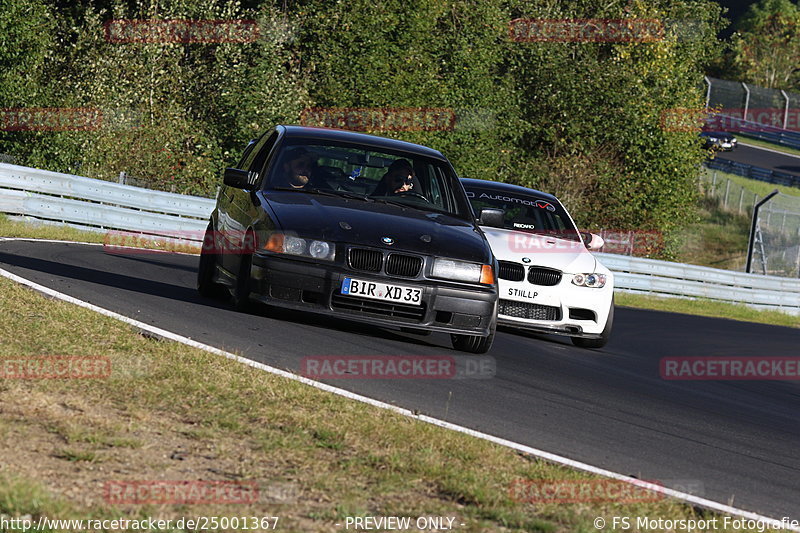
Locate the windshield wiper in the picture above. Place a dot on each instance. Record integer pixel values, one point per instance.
(328, 192)
(394, 203)
(353, 195)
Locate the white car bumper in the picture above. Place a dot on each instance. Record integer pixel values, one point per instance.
(564, 308)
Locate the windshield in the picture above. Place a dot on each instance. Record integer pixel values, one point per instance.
(525, 212)
(353, 171)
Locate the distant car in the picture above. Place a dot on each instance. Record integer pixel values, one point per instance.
(355, 226)
(718, 140)
(548, 280)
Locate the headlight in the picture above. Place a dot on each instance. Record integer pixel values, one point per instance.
(462, 271)
(595, 281)
(287, 244)
(713, 139)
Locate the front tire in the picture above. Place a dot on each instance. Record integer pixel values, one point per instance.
(472, 343)
(604, 336)
(207, 268)
(240, 293)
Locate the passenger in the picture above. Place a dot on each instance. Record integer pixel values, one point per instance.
(399, 178)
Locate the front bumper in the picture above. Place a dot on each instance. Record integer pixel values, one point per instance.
(564, 309)
(315, 287)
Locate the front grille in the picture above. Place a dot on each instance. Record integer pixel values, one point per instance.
(376, 307)
(529, 311)
(544, 276)
(407, 266)
(511, 271)
(365, 260)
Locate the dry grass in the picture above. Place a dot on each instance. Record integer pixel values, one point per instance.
(170, 412)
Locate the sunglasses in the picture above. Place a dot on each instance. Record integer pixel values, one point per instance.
(406, 179)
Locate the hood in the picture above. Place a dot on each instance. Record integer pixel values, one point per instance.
(367, 223)
(568, 256)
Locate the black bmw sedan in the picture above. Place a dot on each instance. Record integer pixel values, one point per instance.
(362, 227)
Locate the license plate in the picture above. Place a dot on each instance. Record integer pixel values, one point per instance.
(382, 291)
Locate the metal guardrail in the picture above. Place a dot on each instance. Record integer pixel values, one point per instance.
(97, 204)
(753, 172)
(662, 278)
(749, 128)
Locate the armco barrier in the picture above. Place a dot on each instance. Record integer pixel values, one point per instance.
(765, 132)
(662, 278)
(750, 171)
(97, 204)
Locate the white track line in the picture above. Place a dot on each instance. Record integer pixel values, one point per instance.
(689, 498)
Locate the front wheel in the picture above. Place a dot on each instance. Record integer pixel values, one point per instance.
(206, 270)
(472, 343)
(604, 336)
(240, 293)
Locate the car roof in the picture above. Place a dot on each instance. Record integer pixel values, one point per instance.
(506, 188)
(331, 134)
(717, 133)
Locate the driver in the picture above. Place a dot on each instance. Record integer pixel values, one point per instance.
(399, 178)
(297, 169)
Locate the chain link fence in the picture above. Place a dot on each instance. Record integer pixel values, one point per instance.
(767, 107)
(777, 244)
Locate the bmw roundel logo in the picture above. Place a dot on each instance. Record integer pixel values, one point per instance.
(526, 259)
(387, 240)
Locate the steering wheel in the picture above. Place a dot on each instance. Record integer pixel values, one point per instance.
(413, 193)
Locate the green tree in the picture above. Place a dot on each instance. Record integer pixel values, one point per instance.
(417, 54)
(594, 113)
(174, 113)
(766, 46)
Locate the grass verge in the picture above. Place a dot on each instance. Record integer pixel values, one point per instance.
(171, 412)
(40, 230)
(717, 239)
(703, 307)
(761, 188)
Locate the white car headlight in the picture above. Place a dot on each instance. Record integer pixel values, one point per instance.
(462, 271)
(294, 246)
(287, 244)
(595, 281)
(319, 249)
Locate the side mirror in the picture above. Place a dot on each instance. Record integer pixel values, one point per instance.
(592, 240)
(492, 217)
(240, 179)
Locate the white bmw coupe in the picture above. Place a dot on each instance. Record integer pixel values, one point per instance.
(548, 279)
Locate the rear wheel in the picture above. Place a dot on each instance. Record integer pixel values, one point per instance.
(604, 336)
(206, 270)
(472, 343)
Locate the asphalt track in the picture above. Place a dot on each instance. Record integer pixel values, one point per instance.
(751, 155)
(734, 442)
